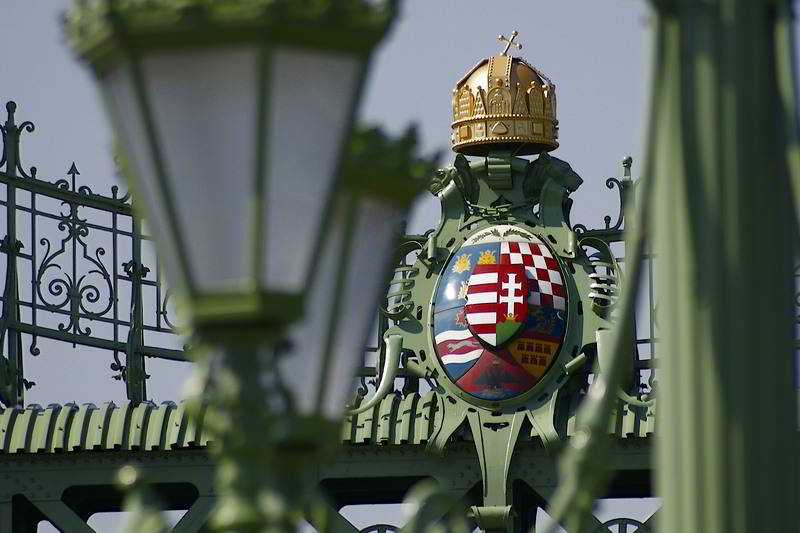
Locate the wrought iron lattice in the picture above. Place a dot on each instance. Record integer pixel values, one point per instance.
(79, 270)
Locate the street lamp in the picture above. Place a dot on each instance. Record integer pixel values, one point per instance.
(233, 115)
(380, 180)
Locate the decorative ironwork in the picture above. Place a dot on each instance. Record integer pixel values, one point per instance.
(625, 188)
(381, 528)
(87, 282)
(601, 245)
(397, 305)
(623, 525)
(79, 270)
(605, 250)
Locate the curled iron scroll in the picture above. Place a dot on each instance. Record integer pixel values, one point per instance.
(394, 347)
(622, 525)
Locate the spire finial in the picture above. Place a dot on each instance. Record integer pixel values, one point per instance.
(509, 42)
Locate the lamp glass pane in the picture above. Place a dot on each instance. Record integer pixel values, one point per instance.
(371, 248)
(301, 367)
(311, 102)
(127, 115)
(204, 106)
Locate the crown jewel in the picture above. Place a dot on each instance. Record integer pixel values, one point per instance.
(504, 103)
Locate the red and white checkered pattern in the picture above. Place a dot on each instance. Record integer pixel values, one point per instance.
(541, 268)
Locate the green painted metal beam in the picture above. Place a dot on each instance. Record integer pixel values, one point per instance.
(169, 426)
(127, 427)
(356, 475)
(725, 235)
(61, 516)
(323, 517)
(196, 517)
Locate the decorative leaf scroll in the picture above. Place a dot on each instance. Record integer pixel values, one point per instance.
(517, 232)
(489, 233)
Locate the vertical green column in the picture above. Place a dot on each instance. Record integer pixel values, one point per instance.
(725, 235)
(266, 451)
(239, 417)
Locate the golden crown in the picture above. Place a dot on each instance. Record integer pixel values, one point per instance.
(504, 103)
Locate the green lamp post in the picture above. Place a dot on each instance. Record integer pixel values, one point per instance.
(234, 116)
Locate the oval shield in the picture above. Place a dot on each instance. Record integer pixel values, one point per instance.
(500, 312)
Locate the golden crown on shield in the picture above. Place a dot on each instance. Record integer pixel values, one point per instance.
(504, 103)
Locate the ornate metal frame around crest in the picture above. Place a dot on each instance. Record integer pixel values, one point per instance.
(475, 196)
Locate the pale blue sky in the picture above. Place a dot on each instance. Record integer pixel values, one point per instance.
(595, 51)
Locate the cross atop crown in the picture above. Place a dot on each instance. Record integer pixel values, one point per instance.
(509, 42)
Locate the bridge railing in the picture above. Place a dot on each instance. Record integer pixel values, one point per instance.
(79, 269)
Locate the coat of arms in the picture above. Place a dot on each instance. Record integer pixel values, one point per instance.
(496, 302)
(500, 312)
